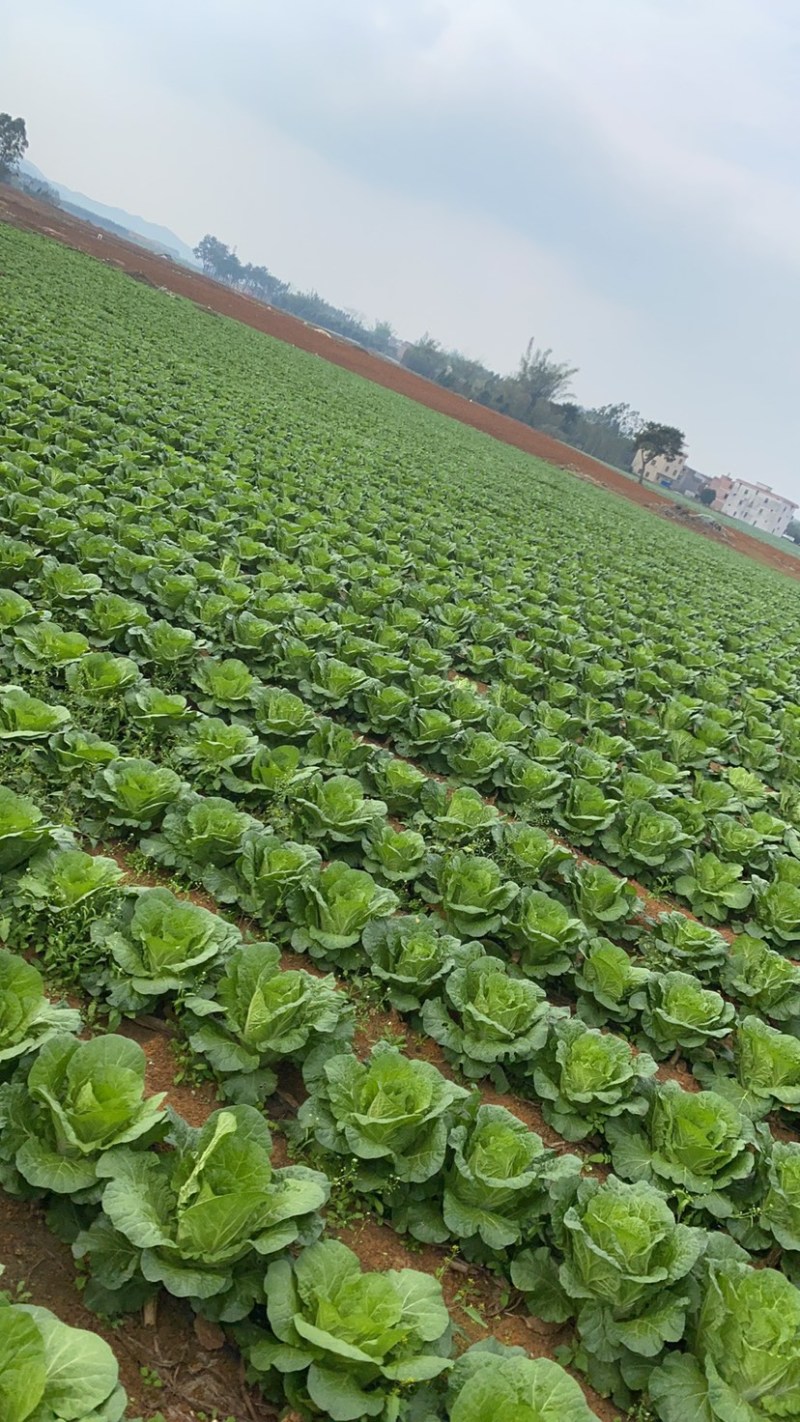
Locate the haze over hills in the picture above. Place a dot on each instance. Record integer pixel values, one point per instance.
(153, 231)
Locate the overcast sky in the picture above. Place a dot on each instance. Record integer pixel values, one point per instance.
(618, 178)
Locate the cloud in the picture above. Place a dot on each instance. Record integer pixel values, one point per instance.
(684, 104)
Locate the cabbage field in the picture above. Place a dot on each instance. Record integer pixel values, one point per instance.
(318, 708)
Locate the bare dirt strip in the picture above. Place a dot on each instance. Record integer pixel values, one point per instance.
(21, 211)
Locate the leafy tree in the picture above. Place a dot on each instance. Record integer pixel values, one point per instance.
(607, 432)
(382, 336)
(218, 259)
(260, 282)
(793, 531)
(312, 307)
(620, 418)
(13, 143)
(426, 357)
(655, 439)
(707, 497)
(540, 377)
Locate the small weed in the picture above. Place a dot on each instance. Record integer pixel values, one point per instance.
(466, 1297)
(19, 1294)
(471, 1312)
(150, 1377)
(191, 1069)
(137, 862)
(412, 1245)
(393, 1036)
(366, 995)
(346, 1205)
(179, 885)
(662, 888)
(444, 1268)
(414, 904)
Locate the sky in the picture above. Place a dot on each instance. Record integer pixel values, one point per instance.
(619, 179)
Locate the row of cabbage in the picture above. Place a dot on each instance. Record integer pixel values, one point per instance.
(337, 913)
(231, 755)
(296, 582)
(50, 1370)
(337, 813)
(717, 842)
(210, 1217)
(239, 861)
(701, 845)
(688, 1145)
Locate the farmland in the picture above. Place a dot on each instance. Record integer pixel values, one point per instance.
(434, 818)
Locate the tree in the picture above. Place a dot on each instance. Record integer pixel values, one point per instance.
(259, 282)
(620, 419)
(655, 439)
(427, 358)
(539, 378)
(793, 531)
(707, 496)
(13, 142)
(382, 337)
(211, 253)
(218, 260)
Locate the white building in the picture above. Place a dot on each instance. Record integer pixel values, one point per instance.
(755, 504)
(658, 468)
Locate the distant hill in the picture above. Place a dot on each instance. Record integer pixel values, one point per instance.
(161, 237)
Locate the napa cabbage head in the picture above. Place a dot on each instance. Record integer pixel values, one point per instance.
(200, 1219)
(607, 979)
(622, 1267)
(584, 1076)
(28, 1019)
(473, 893)
(392, 1112)
(678, 1012)
(79, 1099)
(743, 1357)
(410, 955)
(488, 1019)
(342, 1342)
(258, 1014)
(158, 944)
(695, 1141)
(490, 1383)
(331, 909)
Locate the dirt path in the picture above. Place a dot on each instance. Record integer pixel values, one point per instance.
(21, 211)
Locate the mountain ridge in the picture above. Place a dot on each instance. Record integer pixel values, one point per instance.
(131, 222)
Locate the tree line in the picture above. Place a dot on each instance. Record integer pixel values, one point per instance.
(537, 392)
(221, 261)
